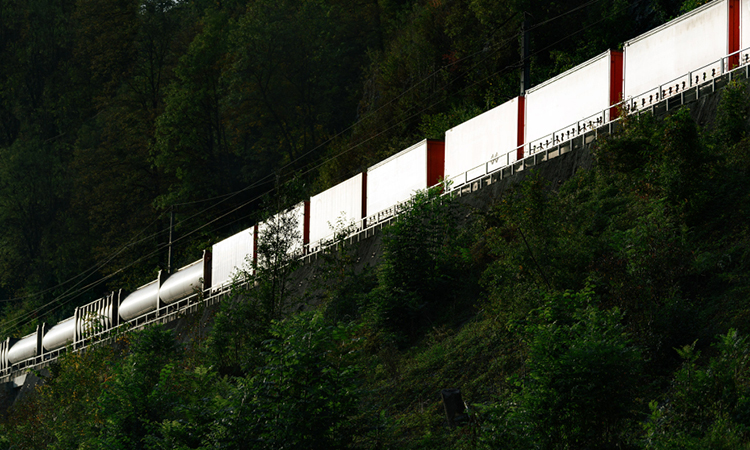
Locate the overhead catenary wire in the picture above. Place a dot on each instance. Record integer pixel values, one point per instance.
(93, 268)
(505, 69)
(228, 196)
(133, 242)
(268, 178)
(486, 49)
(72, 292)
(70, 295)
(432, 105)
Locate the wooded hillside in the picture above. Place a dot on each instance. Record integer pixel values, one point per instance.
(608, 311)
(113, 114)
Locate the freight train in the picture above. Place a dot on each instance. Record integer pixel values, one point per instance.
(673, 63)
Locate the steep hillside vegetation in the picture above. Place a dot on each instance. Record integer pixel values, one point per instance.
(607, 312)
(113, 114)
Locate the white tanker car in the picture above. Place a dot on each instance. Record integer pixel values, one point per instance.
(681, 58)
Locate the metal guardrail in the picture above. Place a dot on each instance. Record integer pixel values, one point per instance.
(704, 76)
(681, 90)
(581, 132)
(576, 136)
(165, 314)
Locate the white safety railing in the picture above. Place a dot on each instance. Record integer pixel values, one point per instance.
(701, 76)
(572, 131)
(163, 314)
(550, 145)
(542, 149)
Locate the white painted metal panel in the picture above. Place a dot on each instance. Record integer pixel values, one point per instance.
(665, 55)
(482, 143)
(4, 347)
(555, 107)
(60, 335)
(395, 179)
(285, 229)
(339, 204)
(232, 255)
(23, 349)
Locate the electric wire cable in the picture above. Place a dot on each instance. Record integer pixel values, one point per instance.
(409, 89)
(69, 294)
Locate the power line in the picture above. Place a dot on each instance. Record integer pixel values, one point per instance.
(434, 73)
(496, 73)
(70, 294)
(93, 268)
(72, 291)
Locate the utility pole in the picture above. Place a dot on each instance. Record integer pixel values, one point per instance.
(525, 61)
(171, 227)
(278, 192)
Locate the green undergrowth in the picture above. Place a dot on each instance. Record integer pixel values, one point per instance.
(607, 312)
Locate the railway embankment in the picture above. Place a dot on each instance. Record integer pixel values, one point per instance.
(556, 165)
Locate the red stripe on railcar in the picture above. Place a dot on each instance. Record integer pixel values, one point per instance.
(521, 121)
(734, 33)
(435, 162)
(616, 81)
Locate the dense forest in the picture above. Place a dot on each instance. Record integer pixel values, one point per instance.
(605, 312)
(114, 114)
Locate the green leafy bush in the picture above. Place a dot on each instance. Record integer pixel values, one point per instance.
(260, 294)
(577, 390)
(301, 397)
(426, 273)
(706, 406)
(130, 400)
